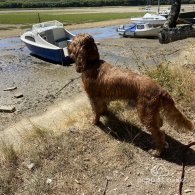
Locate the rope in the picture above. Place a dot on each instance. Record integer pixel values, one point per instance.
(183, 165)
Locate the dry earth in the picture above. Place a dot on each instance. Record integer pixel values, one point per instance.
(43, 83)
(101, 154)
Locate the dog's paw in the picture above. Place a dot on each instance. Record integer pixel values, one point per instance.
(95, 121)
(155, 153)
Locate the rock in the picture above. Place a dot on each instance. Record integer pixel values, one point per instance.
(86, 159)
(73, 129)
(10, 88)
(18, 95)
(50, 96)
(48, 181)
(30, 166)
(78, 182)
(187, 190)
(7, 109)
(126, 178)
(108, 178)
(129, 185)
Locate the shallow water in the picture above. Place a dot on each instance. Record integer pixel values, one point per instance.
(97, 33)
(14, 45)
(8, 43)
(100, 33)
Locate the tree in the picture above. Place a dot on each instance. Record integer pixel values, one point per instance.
(170, 31)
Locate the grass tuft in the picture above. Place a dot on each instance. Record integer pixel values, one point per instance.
(179, 81)
(9, 154)
(8, 166)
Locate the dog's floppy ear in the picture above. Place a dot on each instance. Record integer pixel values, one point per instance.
(87, 52)
(81, 59)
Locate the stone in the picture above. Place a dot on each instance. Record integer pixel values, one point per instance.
(187, 190)
(7, 109)
(10, 88)
(31, 166)
(48, 181)
(18, 95)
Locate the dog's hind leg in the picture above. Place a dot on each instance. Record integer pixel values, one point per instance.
(99, 107)
(152, 121)
(159, 138)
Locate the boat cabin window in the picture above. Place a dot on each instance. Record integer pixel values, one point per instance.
(140, 26)
(30, 38)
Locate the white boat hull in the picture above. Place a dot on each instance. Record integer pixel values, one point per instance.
(156, 20)
(153, 22)
(139, 30)
(144, 33)
(49, 42)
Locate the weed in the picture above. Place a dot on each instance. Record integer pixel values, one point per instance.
(9, 154)
(179, 81)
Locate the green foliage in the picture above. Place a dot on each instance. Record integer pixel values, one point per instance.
(66, 3)
(163, 76)
(32, 17)
(77, 3)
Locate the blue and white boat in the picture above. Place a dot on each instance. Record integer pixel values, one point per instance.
(49, 40)
(144, 30)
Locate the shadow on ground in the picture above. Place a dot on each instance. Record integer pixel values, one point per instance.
(124, 131)
(67, 62)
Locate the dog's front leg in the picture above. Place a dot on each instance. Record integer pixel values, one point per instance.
(98, 108)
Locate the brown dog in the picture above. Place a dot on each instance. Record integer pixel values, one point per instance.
(104, 83)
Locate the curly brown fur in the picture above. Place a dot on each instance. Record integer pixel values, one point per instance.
(104, 83)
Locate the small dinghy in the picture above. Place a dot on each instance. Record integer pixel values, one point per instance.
(49, 40)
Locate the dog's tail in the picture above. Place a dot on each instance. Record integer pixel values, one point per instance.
(173, 115)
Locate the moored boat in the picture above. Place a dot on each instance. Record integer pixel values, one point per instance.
(154, 19)
(144, 30)
(49, 40)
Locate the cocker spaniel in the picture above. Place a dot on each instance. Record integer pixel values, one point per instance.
(104, 83)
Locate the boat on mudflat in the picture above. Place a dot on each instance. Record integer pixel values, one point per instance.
(144, 30)
(154, 19)
(49, 40)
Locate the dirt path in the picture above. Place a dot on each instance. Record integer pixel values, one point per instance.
(55, 117)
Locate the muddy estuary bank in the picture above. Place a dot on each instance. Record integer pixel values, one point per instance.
(42, 83)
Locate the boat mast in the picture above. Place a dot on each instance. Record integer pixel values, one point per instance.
(158, 7)
(149, 3)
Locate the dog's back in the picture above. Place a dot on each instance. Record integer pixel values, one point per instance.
(105, 80)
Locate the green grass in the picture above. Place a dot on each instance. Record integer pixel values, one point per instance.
(30, 17)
